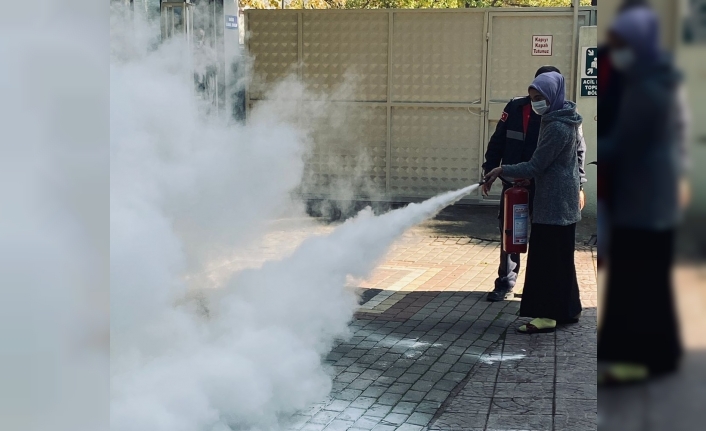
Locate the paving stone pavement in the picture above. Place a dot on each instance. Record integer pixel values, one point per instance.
(429, 353)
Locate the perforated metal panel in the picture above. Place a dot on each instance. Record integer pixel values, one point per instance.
(433, 150)
(426, 87)
(273, 42)
(350, 149)
(346, 47)
(511, 64)
(437, 57)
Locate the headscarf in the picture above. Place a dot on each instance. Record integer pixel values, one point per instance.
(627, 4)
(639, 27)
(551, 86)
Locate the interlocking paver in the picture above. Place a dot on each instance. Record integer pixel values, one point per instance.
(363, 402)
(360, 384)
(298, 421)
(337, 405)
(429, 407)
(413, 396)
(374, 391)
(432, 375)
(351, 414)
(436, 395)
(409, 378)
(348, 394)
(389, 399)
(395, 418)
(404, 407)
(418, 418)
(399, 388)
(423, 385)
(445, 385)
(378, 410)
(339, 425)
(324, 417)
(366, 422)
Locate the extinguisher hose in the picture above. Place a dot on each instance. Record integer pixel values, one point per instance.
(505, 181)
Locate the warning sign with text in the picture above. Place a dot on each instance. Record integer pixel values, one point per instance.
(520, 218)
(589, 71)
(542, 45)
(231, 22)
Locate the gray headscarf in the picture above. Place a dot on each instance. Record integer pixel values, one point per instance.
(639, 27)
(551, 86)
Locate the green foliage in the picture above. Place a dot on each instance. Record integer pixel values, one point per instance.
(404, 4)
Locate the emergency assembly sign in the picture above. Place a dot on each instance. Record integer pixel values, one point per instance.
(542, 45)
(589, 71)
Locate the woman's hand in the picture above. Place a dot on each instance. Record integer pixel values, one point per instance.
(684, 193)
(582, 200)
(490, 178)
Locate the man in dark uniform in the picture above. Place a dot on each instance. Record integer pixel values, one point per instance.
(514, 141)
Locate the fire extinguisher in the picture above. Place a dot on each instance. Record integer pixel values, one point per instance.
(516, 217)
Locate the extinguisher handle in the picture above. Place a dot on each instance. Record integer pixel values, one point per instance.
(505, 181)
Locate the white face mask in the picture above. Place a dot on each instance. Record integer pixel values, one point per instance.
(540, 107)
(622, 58)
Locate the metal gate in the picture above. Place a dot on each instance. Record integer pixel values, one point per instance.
(428, 88)
(199, 25)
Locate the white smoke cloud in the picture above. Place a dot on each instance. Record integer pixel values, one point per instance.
(53, 222)
(186, 188)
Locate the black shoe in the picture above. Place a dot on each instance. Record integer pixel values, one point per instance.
(570, 320)
(500, 294)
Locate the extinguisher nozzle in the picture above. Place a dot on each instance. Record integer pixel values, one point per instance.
(502, 180)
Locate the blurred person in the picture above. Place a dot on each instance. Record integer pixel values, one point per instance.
(610, 81)
(645, 157)
(551, 291)
(514, 141)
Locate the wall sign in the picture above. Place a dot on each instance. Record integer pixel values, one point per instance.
(589, 71)
(231, 22)
(542, 45)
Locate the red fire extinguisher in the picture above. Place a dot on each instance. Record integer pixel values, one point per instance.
(516, 221)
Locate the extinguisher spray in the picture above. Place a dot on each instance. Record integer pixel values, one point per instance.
(516, 217)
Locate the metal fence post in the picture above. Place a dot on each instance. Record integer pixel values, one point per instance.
(388, 156)
(574, 46)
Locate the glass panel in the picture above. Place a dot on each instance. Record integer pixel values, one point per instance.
(177, 20)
